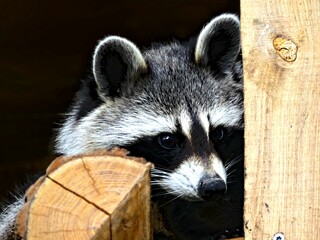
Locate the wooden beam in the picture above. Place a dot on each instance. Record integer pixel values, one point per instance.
(281, 53)
(102, 196)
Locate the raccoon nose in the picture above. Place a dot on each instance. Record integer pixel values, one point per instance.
(210, 186)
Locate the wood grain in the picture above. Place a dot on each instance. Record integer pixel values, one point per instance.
(281, 49)
(89, 197)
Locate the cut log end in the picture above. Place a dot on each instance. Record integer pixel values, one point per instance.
(96, 196)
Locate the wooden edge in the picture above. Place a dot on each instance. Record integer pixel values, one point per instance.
(117, 152)
(35, 193)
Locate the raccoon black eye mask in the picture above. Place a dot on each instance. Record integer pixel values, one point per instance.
(178, 105)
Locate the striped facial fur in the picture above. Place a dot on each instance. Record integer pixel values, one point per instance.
(171, 104)
(180, 106)
(199, 172)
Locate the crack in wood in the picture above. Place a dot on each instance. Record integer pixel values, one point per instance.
(78, 195)
(90, 176)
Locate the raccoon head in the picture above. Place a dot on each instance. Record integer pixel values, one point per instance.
(174, 104)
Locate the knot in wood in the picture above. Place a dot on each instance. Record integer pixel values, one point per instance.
(285, 48)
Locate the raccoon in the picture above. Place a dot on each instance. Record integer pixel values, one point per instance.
(180, 106)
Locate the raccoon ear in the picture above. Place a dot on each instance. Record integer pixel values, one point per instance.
(218, 44)
(116, 62)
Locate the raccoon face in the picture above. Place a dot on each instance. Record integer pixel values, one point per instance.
(178, 105)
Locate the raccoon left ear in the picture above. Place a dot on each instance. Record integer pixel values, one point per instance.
(117, 62)
(218, 44)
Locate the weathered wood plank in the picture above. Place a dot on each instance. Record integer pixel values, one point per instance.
(281, 52)
(89, 197)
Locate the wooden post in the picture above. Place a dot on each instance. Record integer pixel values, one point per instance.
(99, 197)
(281, 52)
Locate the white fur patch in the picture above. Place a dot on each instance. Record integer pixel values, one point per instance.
(8, 218)
(204, 121)
(201, 49)
(135, 126)
(218, 167)
(136, 60)
(228, 116)
(98, 131)
(186, 124)
(184, 180)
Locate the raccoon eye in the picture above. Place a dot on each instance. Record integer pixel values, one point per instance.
(218, 134)
(169, 140)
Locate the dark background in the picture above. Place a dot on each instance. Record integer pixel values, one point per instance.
(45, 49)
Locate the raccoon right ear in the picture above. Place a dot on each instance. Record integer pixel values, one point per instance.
(116, 62)
(218, 44)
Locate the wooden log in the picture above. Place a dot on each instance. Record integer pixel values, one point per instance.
(101, 196)
(281, 53)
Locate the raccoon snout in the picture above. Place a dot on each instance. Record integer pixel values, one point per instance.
(210, 186)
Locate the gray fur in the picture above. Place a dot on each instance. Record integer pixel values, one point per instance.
(226, 23)
(174, 77)
(190, 88)
(8, 217)
(108, 74)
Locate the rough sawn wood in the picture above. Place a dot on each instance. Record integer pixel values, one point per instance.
(101, 196)
(281, 53)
